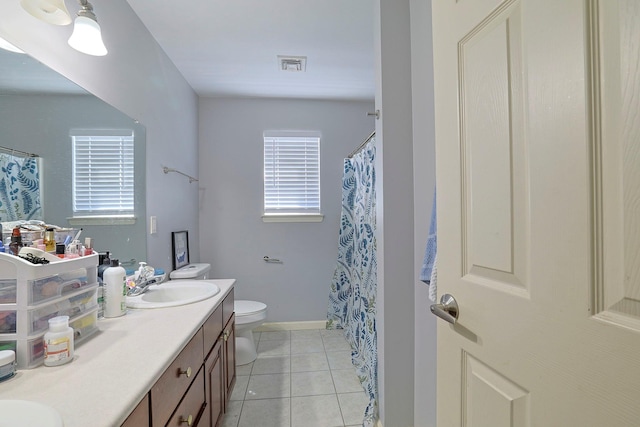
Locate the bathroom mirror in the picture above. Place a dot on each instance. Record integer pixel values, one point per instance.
(38, 111)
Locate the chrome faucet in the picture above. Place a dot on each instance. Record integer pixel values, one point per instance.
(143, 280)
(140, 287)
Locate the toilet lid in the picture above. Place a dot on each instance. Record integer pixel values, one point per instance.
(190, 271)
(244, 307)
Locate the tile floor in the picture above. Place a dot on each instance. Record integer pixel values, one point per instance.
(300, 379)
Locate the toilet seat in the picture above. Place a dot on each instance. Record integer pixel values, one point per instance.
(249, 311)
(244, 307)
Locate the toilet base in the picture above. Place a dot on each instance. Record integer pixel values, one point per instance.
(245, 347)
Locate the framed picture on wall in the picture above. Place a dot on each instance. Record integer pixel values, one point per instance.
(180, 246)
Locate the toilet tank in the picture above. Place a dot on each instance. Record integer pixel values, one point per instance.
(198, 271)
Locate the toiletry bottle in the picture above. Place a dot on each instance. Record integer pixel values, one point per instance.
(60, 248)
(50, 240)
(88, 245)
(115, 291)
(16, 241)
(58, 342)
(104, 264)
(7, 364)
(72, 250)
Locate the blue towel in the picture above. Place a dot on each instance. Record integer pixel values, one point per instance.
(431, 248)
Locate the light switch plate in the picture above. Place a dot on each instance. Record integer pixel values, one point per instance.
(153, 225)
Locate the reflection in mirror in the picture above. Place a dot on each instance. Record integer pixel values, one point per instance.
(38, 111)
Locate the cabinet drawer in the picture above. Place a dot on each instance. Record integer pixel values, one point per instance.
(212, 329)
(169, 389)
(192, 405)
(227, 307)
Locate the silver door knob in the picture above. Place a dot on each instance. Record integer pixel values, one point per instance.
(447, 309)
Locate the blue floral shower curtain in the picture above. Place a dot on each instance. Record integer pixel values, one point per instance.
(352, 297)
(19, 188)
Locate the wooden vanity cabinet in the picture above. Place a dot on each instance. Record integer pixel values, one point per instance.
(220, 368)
(193, 405)
(168, 391)
(214, 387)
(229, 345)
(140, 416)
(213, 368)
(199, 382)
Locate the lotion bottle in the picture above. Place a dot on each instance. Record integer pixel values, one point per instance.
(115, 290)
(58, 342)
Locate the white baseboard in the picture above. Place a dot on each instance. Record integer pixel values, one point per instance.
(291, 326)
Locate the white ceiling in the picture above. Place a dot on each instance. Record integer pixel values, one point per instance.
(230, 47)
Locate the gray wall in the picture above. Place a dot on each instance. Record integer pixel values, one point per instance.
(395, 234)
(424, 179)
(233, 237)
(137, 78)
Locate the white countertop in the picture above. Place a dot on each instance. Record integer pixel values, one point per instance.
(114, 369)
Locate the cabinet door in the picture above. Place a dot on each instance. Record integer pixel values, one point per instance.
(212, 329)
(228, 307)
(214, 386)
(230, 356)
(140, 416)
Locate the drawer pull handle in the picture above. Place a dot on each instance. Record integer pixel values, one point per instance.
(187, 373)
(188, 420)
(225, 335)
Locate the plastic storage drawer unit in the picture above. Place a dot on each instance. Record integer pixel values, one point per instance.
(31, 294)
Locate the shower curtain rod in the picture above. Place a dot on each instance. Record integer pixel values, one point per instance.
(18, 152)
(362, 145)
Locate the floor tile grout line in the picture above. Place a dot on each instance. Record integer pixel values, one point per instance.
(290, 372)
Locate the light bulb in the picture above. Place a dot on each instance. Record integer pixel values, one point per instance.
(86, 37)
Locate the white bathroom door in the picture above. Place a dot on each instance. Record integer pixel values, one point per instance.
(538, 171)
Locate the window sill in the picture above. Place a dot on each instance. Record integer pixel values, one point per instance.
(289, 217)
(103, 220)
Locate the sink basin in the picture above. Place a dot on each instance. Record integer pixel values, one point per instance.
(24, 413)
(174, 293)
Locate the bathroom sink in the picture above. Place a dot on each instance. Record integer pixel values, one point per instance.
(24, 413)
(174, 293)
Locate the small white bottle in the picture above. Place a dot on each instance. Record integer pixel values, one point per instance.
(58, 342)
(115, 290)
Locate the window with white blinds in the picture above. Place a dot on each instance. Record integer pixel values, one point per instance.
(103, 173)
(291, 173)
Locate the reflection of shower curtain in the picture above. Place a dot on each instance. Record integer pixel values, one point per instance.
(19, 188)
(352, 298)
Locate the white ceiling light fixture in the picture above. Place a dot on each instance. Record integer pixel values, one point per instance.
(87, 36)
(51, 11)
(292, 63)
(8, 46)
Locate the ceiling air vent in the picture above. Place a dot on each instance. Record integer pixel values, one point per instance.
(292, 63)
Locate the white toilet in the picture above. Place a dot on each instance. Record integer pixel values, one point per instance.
(191, 271)
(249, 314)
